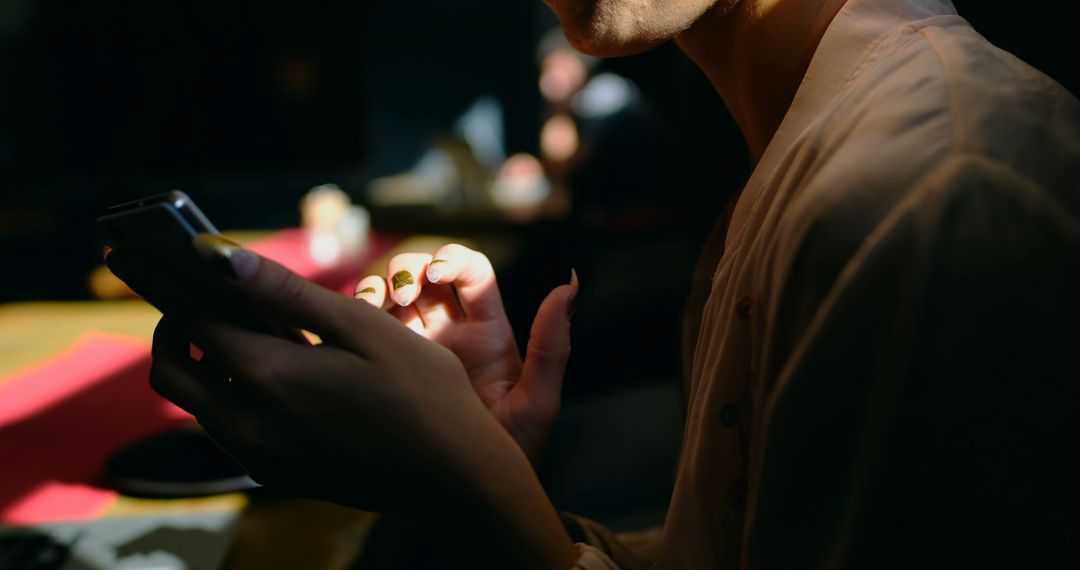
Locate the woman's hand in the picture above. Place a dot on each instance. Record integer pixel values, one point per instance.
(375, 416)
(452, 298)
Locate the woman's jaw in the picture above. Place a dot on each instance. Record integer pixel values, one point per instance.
(611, 28)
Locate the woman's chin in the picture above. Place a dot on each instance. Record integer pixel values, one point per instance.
(607, 46)
(613, 28)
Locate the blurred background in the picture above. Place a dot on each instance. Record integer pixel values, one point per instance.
(245, 106)
(464, 118)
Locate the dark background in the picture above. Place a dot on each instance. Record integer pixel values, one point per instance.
(245, 105)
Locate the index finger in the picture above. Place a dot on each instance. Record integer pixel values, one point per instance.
(289, 298)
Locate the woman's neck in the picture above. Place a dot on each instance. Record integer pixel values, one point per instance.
(755, 53)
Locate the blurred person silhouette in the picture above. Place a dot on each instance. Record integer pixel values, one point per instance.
(881, 339)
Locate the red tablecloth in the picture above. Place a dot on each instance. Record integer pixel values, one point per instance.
(61, 418)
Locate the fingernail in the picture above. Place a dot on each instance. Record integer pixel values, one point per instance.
(226, 256)
(433, 273)
(574, 284)
(404, 287)
(105, 251)
(363, 294)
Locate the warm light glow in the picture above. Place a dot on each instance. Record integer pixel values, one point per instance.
(559, 138)
(520, 183)
(324, 248)
(333, 226)
(562, 73)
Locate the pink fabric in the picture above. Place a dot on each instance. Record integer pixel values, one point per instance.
(61, 419)
(289, 247)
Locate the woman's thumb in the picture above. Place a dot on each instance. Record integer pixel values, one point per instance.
(549, 345)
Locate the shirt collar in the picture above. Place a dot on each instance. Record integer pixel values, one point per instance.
(855, 33)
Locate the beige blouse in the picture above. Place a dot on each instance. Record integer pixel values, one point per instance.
(884, 371)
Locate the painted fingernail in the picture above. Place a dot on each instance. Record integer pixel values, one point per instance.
(364, 293)
(225, 256)
(433, 273)
(404, 287)
(575, 285)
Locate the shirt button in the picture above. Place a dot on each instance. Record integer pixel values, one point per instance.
(727, 415)
(745, 307)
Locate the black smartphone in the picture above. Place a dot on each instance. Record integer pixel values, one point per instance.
(158, 231)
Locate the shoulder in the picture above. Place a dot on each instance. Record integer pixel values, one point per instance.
(936, 88)
(969, 234)
(964, 200)
(940, 107)
(944, 153)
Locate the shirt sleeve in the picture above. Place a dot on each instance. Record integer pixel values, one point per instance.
(926, 411)
(625, 551)
(592, 558)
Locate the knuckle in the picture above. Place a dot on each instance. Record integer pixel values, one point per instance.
(456, 251)
(480, 263)
(286, 287)
(544, 353)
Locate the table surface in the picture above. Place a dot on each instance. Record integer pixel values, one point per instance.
(46, 349)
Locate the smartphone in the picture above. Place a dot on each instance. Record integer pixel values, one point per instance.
(159, 230)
